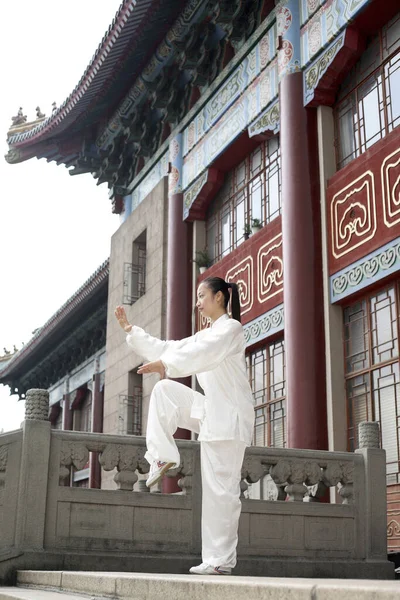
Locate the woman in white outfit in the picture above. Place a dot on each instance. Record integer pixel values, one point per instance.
(223, 417)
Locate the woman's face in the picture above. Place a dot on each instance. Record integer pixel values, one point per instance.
(207, 303)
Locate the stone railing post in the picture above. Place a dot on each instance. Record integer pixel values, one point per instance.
(34, 471)
(375, 489)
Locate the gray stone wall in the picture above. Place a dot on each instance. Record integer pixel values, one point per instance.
(148, 312)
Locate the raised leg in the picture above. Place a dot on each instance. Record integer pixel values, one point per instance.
(170, 407)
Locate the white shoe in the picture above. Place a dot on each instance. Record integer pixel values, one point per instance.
(157, 470)
(205, 569)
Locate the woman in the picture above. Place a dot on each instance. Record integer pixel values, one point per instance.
(223, 417)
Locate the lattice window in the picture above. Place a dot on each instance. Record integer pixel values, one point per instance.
(266, 368)
(130, 411)
(135, 272)
(369, 101)
(252, 190)
(371, 342)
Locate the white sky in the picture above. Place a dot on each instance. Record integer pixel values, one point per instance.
(55, 229)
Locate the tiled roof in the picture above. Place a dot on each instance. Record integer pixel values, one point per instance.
(83, 293)
(98, 74)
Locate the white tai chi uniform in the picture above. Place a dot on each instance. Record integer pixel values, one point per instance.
(223, 417)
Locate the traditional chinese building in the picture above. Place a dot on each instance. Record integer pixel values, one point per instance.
(266, 135)
(67, 356)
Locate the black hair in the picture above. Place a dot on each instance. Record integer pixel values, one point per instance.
(216, 284)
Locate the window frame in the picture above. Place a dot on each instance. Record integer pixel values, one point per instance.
(269, 401)
(360, 143)
(225, 202)
(372, 405)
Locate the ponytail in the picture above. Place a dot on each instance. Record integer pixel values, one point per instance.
(235, 302)
(216, 284)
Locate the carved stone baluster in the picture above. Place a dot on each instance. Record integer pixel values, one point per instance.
(3, 464)
(332, 474)
(346, 483)
(280, 474)
(125, 459)
(126, 476)
(253, 469)
(316, 487)
(296, 490)
(72, 454)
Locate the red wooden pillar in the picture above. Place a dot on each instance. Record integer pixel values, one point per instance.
(304, 338)
(302, 259)
(97, 427)
(178, 273)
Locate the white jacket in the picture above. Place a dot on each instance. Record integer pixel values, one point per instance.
(217, 357)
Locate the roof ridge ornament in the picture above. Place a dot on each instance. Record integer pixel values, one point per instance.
(21, 124)
(19, 119)
(39, 114)
(8, 354)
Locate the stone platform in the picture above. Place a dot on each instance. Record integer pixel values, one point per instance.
(76, 585)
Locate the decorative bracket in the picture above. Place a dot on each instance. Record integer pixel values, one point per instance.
(198, 196)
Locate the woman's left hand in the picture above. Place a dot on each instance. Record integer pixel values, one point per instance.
(153, 367)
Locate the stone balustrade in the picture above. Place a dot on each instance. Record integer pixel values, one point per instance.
(47, 521)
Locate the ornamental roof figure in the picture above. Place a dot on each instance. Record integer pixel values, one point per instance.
(19, 119)
(39, 114)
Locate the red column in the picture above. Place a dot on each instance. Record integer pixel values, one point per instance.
(178, 271)
(97, 427)
(304, 338)
(178, 296)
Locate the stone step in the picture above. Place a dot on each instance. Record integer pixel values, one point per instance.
(150, 586)
(15, 593)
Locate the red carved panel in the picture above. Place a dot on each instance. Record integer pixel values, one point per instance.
(242, 274)
(364, 203)
(393, 518)
(353, 215)
(390, 177)
(270, 269)
(257, 267)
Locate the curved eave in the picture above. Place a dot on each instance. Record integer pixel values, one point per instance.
(57, 360)
(116, 42)
(56, 324)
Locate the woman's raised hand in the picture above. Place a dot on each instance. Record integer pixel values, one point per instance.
(122, 318)
(156, 366)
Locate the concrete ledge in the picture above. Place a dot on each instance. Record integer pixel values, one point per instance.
(10, 593)
(256, 566)
(146, 586)
(50, 579)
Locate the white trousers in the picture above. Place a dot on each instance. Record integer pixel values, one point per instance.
(221, 463)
